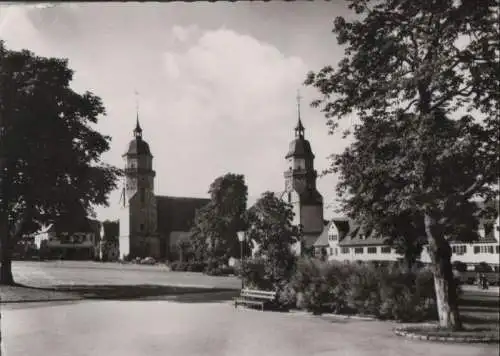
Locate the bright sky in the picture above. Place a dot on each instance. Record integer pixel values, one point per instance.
(217, 82)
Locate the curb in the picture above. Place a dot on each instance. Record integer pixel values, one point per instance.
(353, 317)
(336, 316)
(451, 339)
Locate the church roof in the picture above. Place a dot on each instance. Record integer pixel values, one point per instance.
(300, 147)
(138, 147)
(177, 213)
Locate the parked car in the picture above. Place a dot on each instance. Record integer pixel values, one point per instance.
(148, 261)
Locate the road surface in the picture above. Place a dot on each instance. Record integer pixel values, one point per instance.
(136, 328)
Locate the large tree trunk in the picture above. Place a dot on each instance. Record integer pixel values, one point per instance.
(6, 277)
(444, 282)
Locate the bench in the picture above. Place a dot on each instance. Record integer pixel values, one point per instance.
(255, 297)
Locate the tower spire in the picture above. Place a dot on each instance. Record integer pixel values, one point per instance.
(138, 129)
(299, 129)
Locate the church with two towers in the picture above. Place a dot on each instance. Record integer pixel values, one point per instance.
(151, 225)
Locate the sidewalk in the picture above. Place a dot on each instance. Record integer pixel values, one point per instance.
(473, 288)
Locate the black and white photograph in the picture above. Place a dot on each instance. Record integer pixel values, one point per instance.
(242, 178)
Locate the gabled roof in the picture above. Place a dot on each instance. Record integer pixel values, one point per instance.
(342, 226)
(323, 237)
(359, 237)
(177, 213)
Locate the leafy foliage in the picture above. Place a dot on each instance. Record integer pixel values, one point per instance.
(422, 77)
(213, 236)
(50, 154)
(383, 292)
(270, 226)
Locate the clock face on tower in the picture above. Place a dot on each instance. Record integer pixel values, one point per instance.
(131, 183)
(300, 183)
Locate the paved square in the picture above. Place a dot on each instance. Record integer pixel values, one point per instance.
(133, 328)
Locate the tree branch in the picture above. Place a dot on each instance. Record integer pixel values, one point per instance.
(463, 93)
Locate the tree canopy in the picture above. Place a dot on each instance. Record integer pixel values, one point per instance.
(213, 235)
(422, 78)
(49, 149)
(270, 226)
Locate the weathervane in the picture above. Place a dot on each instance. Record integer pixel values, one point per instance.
(136, 103)
(298, 102)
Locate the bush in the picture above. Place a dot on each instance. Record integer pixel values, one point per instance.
(483, 267)
(253, 272)
(227, 270)
(460, 266)
(287, 297)
(321, 286)
(387, 292)
(363, 289)
(195, 266)
(179, 266)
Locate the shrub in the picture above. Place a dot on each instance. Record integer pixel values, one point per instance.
(227, 270)
(320, 286)
(460, 266)
(373, 289)
(287, 297)
(179, 266)
(253, 272)
(195, 266)
(363, 289)
(483, 267)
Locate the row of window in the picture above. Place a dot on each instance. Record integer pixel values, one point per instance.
(369, 250)
(462, 249)
(456, 249)
(486, 249)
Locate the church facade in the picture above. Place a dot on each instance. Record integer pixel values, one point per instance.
(301, 190)
(150, 225)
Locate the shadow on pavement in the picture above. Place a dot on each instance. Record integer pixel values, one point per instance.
(129, 292)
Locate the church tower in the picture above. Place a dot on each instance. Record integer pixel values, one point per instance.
(300, 186)
(139, 199)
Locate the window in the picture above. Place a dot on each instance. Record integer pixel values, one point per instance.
(385, 249)
(497, 249)
(372, 250)
(459, 249)
(333, 237)
(358, 250)
(337, 251)
(331, 251)
(141, 227)
(484, 249)
(344, 250)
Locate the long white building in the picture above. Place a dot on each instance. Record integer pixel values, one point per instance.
(344, 240)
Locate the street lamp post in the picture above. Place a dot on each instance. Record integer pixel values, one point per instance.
(101, 243)
(241, 238)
